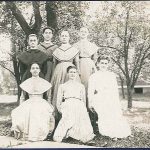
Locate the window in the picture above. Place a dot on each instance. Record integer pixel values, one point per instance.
(138, 90)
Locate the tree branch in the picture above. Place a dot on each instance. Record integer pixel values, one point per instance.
(125, 46)
(138, 66)
(119, 50)
(136, 62)
(125, 36)
(51, 8)
(38, 18)
(146, 56)
(129, 40)
(19, 17)
(136, 75)
(3, 66)
(119, 65)
(30, 23)
(118, 33)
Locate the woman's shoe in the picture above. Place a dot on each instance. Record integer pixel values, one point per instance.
(17, 134)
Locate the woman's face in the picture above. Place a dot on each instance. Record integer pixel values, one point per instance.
(35, 70)
(64, 37)
(83, 33)
(47, 35)
(103, 64)
(72, 73)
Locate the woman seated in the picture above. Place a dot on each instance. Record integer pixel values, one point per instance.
(33, 120)
(71, 103)
(103, 97)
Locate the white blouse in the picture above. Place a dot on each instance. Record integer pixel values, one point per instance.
(70, 90)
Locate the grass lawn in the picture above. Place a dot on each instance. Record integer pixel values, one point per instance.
(138, 118)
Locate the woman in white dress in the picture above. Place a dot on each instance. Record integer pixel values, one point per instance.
(104, 98)
(65, 55)
(71, 103)
(33, 119)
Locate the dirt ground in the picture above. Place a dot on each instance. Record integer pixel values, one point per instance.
(138, 118)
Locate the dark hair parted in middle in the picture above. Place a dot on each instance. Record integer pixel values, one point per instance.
(103, 57)
(49, 29)
(71, 67)
(62, 30)
(35, 63)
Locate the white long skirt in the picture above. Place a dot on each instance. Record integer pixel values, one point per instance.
(111, 122)
(34, 119)
(75, 122)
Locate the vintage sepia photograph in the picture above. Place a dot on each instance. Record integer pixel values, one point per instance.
(74, 74)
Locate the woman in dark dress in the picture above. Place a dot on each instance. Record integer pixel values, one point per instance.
(48, 48)
(26, 58)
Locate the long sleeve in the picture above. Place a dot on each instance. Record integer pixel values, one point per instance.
(55, 62)
(94, 57)
(59, 97)
(22, 69)
(49, 70)
(44, 68)
(77, 63)
(91, 90)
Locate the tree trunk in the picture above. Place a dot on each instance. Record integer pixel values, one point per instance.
(129, 95)
(51, 14)
(18, 16)
(27, 29)
(122, 88)
(22, 21)
(17, 77)
(14, 59)
(19, 94)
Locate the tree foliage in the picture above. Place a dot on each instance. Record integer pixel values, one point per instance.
(122, 32)
(120, 29)
(19, 19)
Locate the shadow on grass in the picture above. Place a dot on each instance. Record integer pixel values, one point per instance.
(6, 108)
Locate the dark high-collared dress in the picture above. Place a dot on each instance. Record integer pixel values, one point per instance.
(28, 57)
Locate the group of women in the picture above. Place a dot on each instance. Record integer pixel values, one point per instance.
(68, 75)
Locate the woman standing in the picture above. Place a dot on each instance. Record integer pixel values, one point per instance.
(87, 50)
(48, 47)
(104, 98)
(33, 120)
(65, 55)
(71, 103)
(32, 55)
